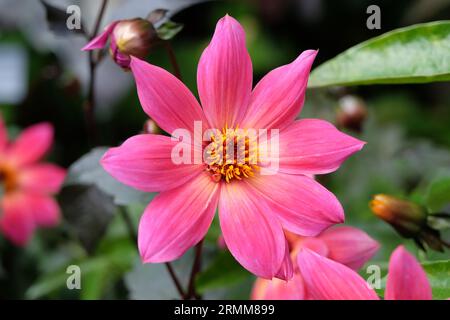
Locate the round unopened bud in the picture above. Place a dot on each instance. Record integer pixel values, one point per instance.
(406, 217)
(133, 37)
(351, 113)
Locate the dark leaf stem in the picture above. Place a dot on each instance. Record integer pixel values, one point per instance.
(196, 267)
(133, 237)
(176, 282)
(191, 292)
(89, 106)
(128, 223)
(173, 59)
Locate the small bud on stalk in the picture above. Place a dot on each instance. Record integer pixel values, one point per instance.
(406, 217)
(133, 37)
(409, 219)
(352, 113)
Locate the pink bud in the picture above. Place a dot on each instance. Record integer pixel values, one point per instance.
(132, 37)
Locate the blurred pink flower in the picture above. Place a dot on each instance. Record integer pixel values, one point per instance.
(329, 280)
(253, 208)
(26, 202)
(345, 245)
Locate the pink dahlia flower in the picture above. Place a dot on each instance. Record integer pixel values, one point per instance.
(345, 245)
(27, 186)
(329, 280)
(253, 208)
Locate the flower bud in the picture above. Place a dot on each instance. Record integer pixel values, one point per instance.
(133, 37)
(406, 217)
(411, 221)
(351, 113)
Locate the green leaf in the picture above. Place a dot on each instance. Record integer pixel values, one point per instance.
(157, 15)
(169, 29)
(438, 273)
(56, 280)
(88, 171)
(438, 195)
(111, 261)
(117, 257)
(87, 211)
(46, 285)
(152, 281)
(223, 271)
(415, 54)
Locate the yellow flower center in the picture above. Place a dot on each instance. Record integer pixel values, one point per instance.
(8, 178)
(232, 154)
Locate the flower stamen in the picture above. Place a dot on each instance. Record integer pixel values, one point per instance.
(232, 155)
(8, 178)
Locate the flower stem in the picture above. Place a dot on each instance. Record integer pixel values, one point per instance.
(176, 282)
(133, 237)
(99, 18)
(128, 223)
(195, 270)
(89, 106)
(173, 59)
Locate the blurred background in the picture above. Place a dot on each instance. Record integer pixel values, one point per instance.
(45, 77)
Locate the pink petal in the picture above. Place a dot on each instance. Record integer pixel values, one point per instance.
(279, 289)
(278, 98)
(120, 58)
(301, 204)
(350, 246)
(314, 244)
(252, 233)
(144, 162)
(326, 279)
(221, 242)
(406, 279)
(177, 219)
(3, 135)
(165, 98)
(32, 144)
(42, 178)
(224, 75)
(16, 219)
(45, 210)
(287, 269)
(100, 41)
(312, 146)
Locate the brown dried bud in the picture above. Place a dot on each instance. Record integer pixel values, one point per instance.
(409, 219)
(352, 113)
(406, 217)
